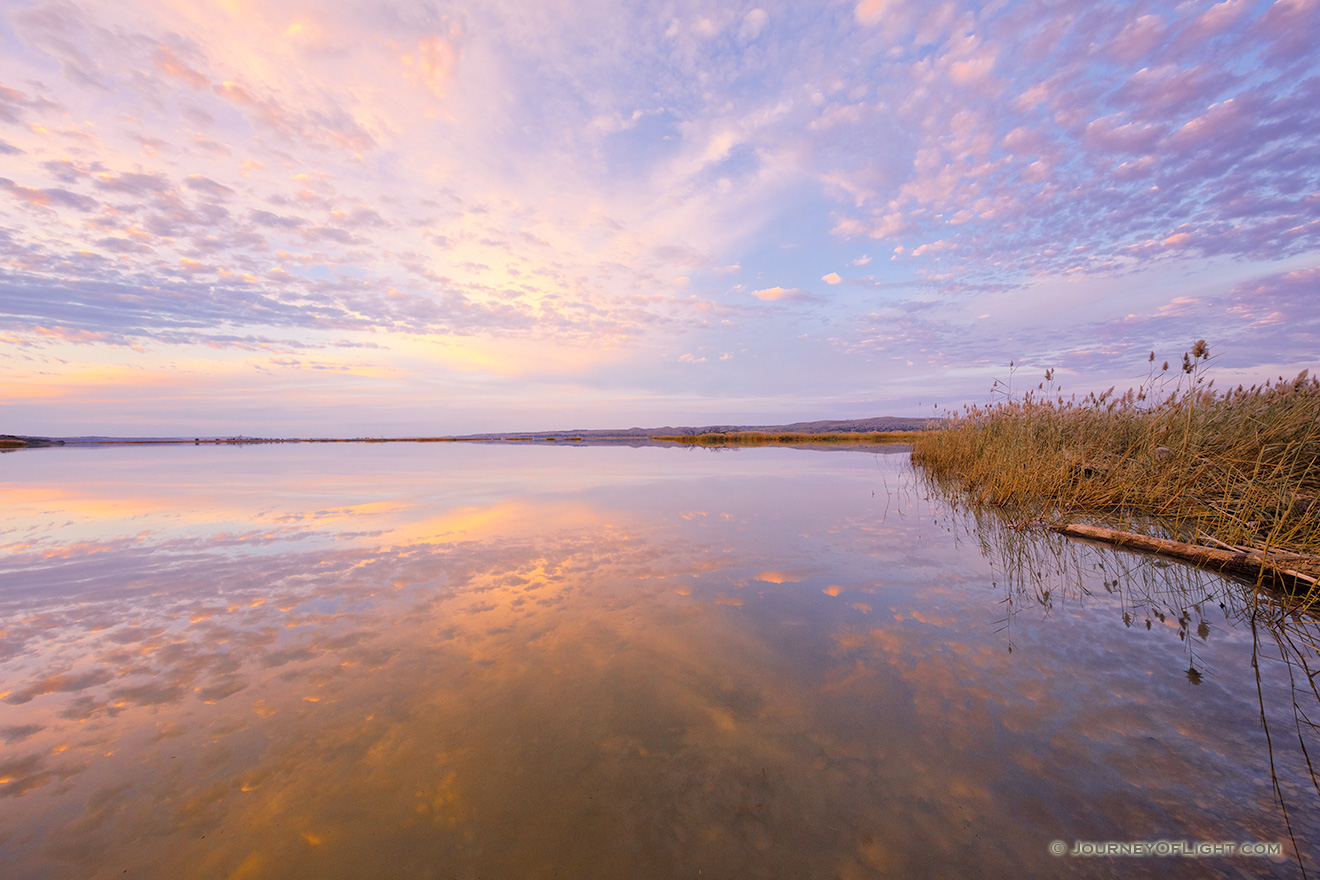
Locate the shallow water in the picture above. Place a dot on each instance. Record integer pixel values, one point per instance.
(539, 661)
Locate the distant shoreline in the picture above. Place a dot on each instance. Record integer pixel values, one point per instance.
(850, 433)
(821, 441)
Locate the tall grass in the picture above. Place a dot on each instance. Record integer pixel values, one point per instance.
(1239, 468)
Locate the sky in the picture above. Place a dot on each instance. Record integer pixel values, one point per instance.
(295, 218)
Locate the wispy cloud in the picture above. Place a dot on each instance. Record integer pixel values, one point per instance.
(628, 186)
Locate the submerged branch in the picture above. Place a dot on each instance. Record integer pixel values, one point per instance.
(1261, 566)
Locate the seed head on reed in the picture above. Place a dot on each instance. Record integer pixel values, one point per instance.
(1241, 466)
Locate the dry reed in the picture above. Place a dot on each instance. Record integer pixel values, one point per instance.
(1238, 469)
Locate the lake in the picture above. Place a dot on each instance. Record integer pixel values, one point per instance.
(553, 660)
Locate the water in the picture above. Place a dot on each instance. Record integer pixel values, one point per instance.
(469, 661)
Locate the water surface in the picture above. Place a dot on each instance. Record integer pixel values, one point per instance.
(536, 661)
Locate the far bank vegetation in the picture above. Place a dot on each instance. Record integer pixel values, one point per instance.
(764, 438)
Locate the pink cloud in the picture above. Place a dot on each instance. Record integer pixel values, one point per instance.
(433, 62)
(168, 63)
(1156, 93)
(1219, 121)
(1291, 26)
(51, 197)
(1288, 291)
(1154, 161)
(779, 294)
(1138, 38)
(1112, 134)
(1218, 19)
(232, 91)
(1025, 140)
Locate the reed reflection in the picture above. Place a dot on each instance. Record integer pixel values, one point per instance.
(1042, 573)
(750, 666)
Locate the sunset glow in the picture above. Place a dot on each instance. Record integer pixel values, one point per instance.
(304, 218)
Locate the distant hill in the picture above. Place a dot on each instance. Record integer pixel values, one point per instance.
(13, 441)
(824, 426)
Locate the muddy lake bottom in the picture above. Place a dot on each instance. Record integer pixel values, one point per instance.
(464, 660)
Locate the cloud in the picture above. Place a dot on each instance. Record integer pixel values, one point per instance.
(132, 183)
(870, 12)
(1115, 135)
(266, 218)
(46, 198)
(433, 62)
(752, 24)
(15, 105)
(203, 184)
(778, 294)
(505, 174)
(1283, 300)
(167, 62)
(1186, 131)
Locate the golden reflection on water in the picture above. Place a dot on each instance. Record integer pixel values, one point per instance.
(493, 661)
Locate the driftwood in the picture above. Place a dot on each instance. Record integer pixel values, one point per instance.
(1276, 568)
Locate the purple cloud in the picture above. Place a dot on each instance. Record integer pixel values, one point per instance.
(47, 197)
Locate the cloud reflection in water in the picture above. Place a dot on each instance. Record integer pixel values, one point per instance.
(493, 661)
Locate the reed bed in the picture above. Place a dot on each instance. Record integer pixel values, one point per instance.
(1237, 469)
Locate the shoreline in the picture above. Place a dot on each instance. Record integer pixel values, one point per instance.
(868, 440)
(883, 430)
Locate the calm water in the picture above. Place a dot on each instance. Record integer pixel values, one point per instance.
(461, 661)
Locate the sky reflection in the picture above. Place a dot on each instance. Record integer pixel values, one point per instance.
(508, 661)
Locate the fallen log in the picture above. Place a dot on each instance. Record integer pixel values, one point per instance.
(1266, 567)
